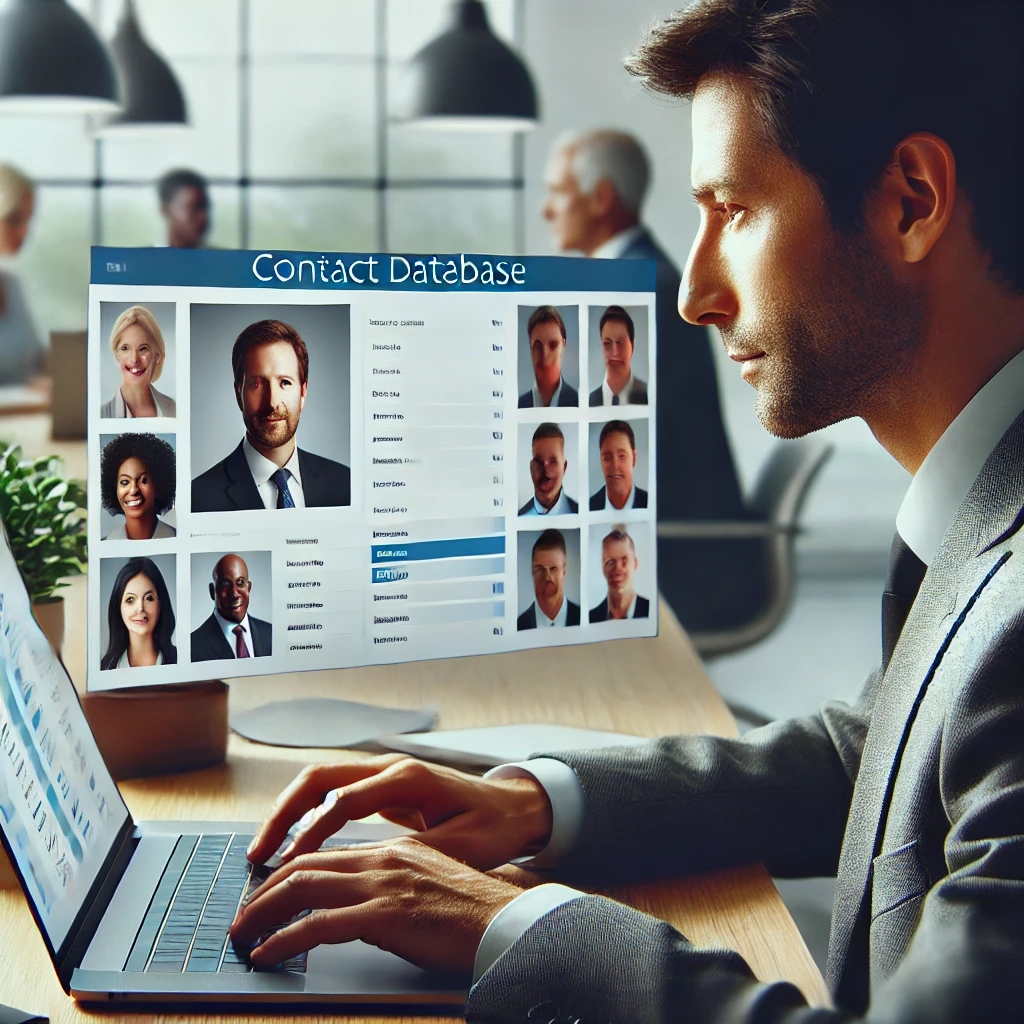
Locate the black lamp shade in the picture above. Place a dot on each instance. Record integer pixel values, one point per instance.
(51, 61)
(152, 95)
(469, 80)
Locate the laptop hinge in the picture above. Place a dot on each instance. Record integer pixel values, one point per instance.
(81, 933)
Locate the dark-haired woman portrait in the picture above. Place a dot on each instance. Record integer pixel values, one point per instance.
(137, 481)
(140, 618)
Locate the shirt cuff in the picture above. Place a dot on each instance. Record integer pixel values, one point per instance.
(565, 794)
(514, 918)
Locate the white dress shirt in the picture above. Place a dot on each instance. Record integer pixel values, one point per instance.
(560, 616)
(617, 244)
(122, 662)
(607, 394)
(163, 530)
(539, 403)
(629, 501)
(263, 469)
(935, 494)
(228, 629)
(560, 507)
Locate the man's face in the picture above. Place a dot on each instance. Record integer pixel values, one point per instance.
(618, 457)
(547, 346)
(566, 209)
(230, 588)
(619, 562)
(618, 348)
(549, 577)
(821, 323)
(188, 215)
(547, 468)
(271, 397)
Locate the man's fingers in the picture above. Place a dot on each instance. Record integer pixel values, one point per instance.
(407, 817)
(296, 892)
(308, 790)
(333, 926)
(395, 786)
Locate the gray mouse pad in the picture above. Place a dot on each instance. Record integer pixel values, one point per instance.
(324, 722)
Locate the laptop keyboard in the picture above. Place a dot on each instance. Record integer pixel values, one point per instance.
(185, 929)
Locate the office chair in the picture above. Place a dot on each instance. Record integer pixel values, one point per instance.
(731, 584)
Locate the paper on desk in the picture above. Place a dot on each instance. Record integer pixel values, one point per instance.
(499, 744)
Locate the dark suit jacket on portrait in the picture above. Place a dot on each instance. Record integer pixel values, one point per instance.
(528, 620)
(915, 794)
(209, 643)
(228, 486)
(574, 506)
(637, 394)
(568, 396)
(642, 611)
(597, 501)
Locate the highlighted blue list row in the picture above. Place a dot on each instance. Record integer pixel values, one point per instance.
(459, 547)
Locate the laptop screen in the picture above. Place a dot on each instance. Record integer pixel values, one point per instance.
(60, 810)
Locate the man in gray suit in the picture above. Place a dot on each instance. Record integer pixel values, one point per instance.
(859, 257)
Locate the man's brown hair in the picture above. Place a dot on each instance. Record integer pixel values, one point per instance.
(549, 430)
(545, 315)
(838, 84)
(549, 540)
(617, 315)
(260, 333)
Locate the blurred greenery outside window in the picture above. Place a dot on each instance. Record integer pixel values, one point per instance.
(291, 107)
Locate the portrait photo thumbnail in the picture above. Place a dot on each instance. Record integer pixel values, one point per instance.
(548, 577)
(549, 478)
(262, 436)
(548, 356)
(138, 486)
(618, 355)
(138, 627)
(232, 601)
(618, 463)
(621, 571)
(138, 354)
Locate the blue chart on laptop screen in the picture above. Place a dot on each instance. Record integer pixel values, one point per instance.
(59, 808)
(313, 461)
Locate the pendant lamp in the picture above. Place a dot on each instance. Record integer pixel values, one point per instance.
(153, 100)
(52, 62)
(467, 79)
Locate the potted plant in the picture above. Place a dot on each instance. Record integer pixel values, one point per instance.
(44, 515)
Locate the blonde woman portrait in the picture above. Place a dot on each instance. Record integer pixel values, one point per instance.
(21, 351)
(138, 348)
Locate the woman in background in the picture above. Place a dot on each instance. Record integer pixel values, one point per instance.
(138, 347)
(21, 352)
(137, 481)
(140, 618)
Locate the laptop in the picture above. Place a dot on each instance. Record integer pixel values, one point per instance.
(139, 911)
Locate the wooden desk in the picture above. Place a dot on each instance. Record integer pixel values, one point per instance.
(646, 687)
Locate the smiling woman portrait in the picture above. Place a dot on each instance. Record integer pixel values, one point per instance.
(138, 480)
(138, 347)
(140, 618)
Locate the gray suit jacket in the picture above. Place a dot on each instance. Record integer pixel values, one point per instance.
(915, 795)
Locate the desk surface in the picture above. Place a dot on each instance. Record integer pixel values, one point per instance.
(645, 687)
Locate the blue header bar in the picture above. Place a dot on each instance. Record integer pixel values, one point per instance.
(280, 269)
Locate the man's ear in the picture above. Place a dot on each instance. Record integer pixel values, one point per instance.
(213, 594)
(913, 202)
(302, 394)
(634, 458)
(603, 198)
(238, 398)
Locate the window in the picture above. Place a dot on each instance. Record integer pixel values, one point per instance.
(292, 110)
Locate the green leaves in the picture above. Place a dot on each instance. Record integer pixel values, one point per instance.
(45, 519)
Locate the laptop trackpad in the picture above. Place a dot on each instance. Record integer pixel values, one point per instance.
(361, 969)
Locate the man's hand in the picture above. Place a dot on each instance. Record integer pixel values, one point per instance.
(482, 823)
(400, 895)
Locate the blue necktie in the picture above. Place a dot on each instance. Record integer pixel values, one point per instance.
(284, 496)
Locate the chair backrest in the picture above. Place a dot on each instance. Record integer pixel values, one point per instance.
(785, 479)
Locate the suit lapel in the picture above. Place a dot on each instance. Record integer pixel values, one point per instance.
(241, 488)
(310, 481)
(962, 568)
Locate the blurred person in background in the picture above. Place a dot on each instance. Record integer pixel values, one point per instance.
(21, 351)
(185, 206)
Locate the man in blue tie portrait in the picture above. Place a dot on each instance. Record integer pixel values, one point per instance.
(267, 469)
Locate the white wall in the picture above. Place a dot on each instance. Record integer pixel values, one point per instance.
(575, 51)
